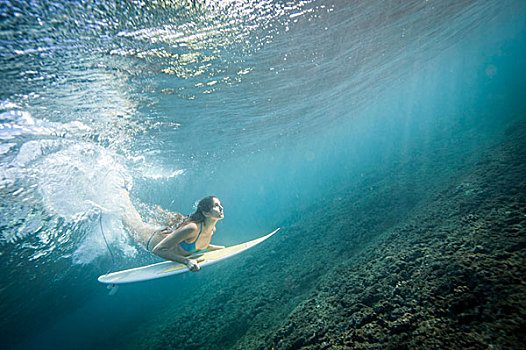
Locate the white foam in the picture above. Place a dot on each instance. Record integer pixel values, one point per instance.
(6, 147)
(156, 173)
(79, 183)
(94, 246)
(17, 123)
(8, 105)
(74, 180)
(77, 177)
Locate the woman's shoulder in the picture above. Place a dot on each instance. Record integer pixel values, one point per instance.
(189, 226)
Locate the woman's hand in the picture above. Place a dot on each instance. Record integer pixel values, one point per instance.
(193, 265)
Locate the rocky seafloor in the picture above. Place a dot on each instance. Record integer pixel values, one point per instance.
(428, 254)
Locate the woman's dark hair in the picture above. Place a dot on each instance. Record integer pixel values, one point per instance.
(204, 206)
(176, 220)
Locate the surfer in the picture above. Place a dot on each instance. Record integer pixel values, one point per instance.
(181, 236)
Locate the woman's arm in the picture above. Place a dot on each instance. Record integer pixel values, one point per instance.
(215, 247)
(167, 248)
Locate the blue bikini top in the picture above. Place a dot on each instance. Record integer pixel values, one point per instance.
(190, 247)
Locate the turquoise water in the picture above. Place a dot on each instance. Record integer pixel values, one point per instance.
(273, 106)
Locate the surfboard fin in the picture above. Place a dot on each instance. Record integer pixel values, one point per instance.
(113, 288)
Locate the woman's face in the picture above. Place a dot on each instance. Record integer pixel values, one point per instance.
(217, 209)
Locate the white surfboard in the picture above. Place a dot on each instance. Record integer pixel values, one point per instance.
(170, 268)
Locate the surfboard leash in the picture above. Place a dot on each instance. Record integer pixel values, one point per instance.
(107, 245)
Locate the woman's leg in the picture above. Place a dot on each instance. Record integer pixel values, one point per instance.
(132, 220)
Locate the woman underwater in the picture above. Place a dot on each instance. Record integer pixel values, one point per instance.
(182, 237)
